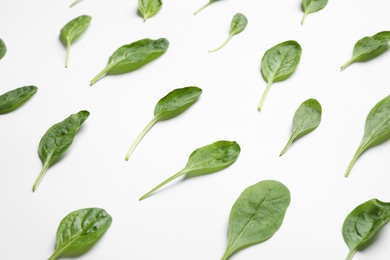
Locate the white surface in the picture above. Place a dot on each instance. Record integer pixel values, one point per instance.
(188, 219)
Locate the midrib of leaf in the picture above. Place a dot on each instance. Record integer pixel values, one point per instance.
(293, 136)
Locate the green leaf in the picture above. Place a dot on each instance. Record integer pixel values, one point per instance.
(72, 31)
(368, 45)
(172, 105)
(377, 129)
(311, 6)
(3, 49)
(56, 141)
(363, 223)
(80, 230)
(237, 25)
(74, 3)
(278, 63)
(306, 119)
(133, 56)
(256, 215)
(207, 159)
(203, 7)
(15, 98)
(149, 8)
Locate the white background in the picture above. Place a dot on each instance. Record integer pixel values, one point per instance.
(188, 219)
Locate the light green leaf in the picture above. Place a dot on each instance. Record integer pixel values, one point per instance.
(149, 8)
(311, 6)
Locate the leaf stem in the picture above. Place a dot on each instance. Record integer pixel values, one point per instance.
(303, 18)
(203, 7)
(347, 64)
(290, 141)
(41, 175)
(355, 157)
(55, 255)
(351, 254)
(223, 44)
(140, 136)
(98, 76)
(67, 53)
(75, 2)
(265, 93)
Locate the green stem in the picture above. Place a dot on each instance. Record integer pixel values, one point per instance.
(180, 173)
(56, 254)
(67, 54)
(140, 136)
(355, 157)
(351, 254)
(203, 7)
(265, 93)
(41, 175)
(98, 76)
(347, 64)
(75, 2)
(223, 44)
(303, 18)
(290, 141)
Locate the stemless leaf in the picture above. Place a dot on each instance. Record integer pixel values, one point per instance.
(79, 230)
(15, 98)
(311, 6)
(203, 7)
(256, 215)
(72, 31)
(363, 223)
(306, 119)
(376, 130)
(367, 45)
(278, 63)
(56, 141)
(133, 56)
(173, 104)
(149, 8)
(207, 159)
(237, 25)
(3, 49)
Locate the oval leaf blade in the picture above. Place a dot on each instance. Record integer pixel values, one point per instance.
(149, 8)
(3, 49)
(15, 98)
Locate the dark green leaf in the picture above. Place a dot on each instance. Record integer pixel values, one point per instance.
(3, 49)
(311, 6)
(15, 98)
(149, 8)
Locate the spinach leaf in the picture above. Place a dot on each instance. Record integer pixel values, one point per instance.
(207, 159)
(376, 130)
(306, 119)
(56, 141)
(133, 56)
(80, 230)
(278, 63)
(74, 3)
(256, 215)
(363, 223)
(149, 8)
(366, 47)
(72, 31)
(237, 25)
(311, 6)
(15, 98)
(172, 105)
(3, 49)
(203, 7)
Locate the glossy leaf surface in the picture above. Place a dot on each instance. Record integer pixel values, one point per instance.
(56, 141)
(133, 56)
(3, 49)
(363, 223)
(311, 6)
(207, 159)
(172, 105)
(15, 98)
(149, 8)
(377, 129)
(278, 63)
(306, 119)
(256, 215)
(79, 230)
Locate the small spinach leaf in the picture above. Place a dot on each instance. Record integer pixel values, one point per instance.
(256, 215)
(363, 223)
(207, 159)
(3, 49)
(149, 8)
(56, 141)
(133, 56)
(306, 119)
(72, 31)
(237, 25)
(172, 105)
(15, 98)
(278, 63)
(203, 7)
(367, 45)
(311, 6)
(80, 230)
(376, 130)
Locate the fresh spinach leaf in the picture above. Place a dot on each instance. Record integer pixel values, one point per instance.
(306, 119)
(278, 63)
(376, 130)
(203, 7)
(72, 31)
(366, 46)
(74, 3)
(207, 159)
(237, 25)
(15, 98)
(3, 49)
(149, 8)
(256, 215)
(172, 105)
(56, 141)
(363, 223)
(80, 230)
(311, 6)
(133, 56)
